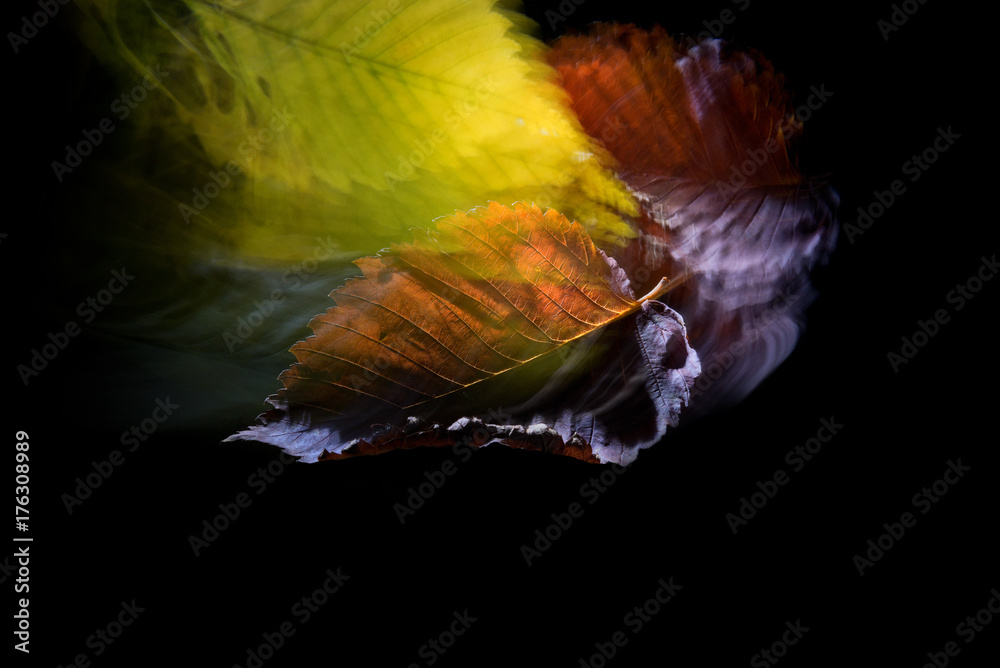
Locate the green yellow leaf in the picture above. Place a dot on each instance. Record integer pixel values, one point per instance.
(354, 117)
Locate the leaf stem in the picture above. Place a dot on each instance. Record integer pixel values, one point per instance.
(663, 287)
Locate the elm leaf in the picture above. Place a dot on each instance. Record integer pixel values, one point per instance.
(487, 309)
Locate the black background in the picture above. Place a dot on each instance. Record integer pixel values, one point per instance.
(665, 517)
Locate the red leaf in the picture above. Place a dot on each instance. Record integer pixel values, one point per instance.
(705, 138)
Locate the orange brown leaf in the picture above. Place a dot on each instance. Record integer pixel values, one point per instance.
(431, 325)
